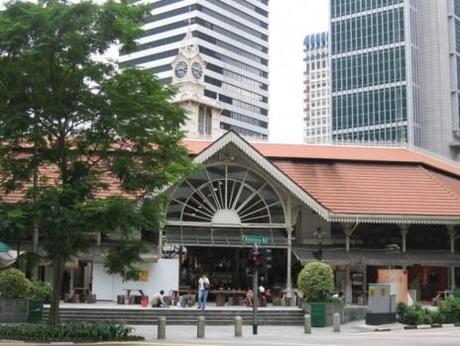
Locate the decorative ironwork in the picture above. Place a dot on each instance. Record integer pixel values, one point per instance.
(227, 194)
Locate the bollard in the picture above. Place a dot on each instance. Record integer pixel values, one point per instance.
(336, 320)
(200, 327)
(307, 323)
(238, 326)
(162, 327)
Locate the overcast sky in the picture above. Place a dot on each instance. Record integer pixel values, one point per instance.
(290, 21)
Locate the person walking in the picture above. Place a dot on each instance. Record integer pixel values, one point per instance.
(203, 290)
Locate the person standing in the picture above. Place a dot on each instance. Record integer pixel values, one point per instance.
(203, 290)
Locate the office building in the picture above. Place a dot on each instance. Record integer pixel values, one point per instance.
(316, 89)
(394, 73)
(232, 36)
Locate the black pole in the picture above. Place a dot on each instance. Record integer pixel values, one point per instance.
(255, 301)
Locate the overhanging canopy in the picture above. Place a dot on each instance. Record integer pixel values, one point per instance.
(225, 237)
(379, 257)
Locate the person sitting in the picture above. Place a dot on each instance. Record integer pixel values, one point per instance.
(263, 298)
(249, 297)
(158, 300)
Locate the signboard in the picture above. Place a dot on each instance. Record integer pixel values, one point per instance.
(254, 239)
(397, 278)
(143, 276)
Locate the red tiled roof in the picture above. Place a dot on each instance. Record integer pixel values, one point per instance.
(48, 176)
(366, 180)
(376, 188)
(337, 152)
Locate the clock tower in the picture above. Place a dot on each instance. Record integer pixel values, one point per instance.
(188, 77)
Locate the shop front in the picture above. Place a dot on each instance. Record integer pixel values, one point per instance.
(214, 219)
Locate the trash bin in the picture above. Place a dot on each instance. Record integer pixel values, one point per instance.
(35, 311)
(456, 292)
(120, 299)
(318, 315)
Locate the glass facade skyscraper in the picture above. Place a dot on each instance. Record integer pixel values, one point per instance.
(395, 73)
(233, 39)
(316, 89)
(373, 71)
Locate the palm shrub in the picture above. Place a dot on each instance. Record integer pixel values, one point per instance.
(41, 290)
(449, 310)
(414, 314)
(316, 281)
(14, 284)
(76, 331)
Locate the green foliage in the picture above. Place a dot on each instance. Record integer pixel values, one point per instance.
(102, 331)
(413, 315)
(316, 280)
(40, 290)
(449, 311)
(88, 124)
(14, 284)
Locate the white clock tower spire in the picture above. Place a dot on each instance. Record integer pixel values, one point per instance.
(188, 77)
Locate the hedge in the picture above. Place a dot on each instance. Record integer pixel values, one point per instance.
(76, 331)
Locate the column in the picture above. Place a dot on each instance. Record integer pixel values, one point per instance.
(289, 266)
(404, 229)
(348, 229)
(348, 288)
(451, 232)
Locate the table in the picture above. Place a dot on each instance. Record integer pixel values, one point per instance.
(234, 297)
(134, 299)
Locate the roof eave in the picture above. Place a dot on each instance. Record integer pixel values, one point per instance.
(396, 219)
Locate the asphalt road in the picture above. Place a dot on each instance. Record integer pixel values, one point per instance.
(293, 336)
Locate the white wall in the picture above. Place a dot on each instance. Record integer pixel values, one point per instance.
(163, 275)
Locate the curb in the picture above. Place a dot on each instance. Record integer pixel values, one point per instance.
(430, 326)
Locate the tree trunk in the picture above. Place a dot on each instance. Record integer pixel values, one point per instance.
(18, 250)
(35, 234)
(57, 283)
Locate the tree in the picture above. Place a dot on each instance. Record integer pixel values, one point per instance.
(316, 280)
(89, 146)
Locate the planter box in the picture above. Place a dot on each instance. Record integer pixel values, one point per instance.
(14, 310)
(330, 310)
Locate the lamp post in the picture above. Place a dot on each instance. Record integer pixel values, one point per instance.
(319, 239)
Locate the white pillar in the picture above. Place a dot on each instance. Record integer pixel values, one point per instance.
(289, 265)
(348, 288)
(348, 229)
(451, 232)
(404, 229)
(452, 277)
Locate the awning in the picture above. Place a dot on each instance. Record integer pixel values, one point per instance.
(379, 257)
(225, 237)
(7, 256)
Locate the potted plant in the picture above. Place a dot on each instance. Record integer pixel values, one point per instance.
(316, 281)
(14, 291)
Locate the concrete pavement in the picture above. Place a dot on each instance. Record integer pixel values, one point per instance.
(352, 335)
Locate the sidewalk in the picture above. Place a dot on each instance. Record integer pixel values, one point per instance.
(216, 333)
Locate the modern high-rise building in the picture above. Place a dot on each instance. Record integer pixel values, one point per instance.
(316, 89)
(394, 72)
(232, 36)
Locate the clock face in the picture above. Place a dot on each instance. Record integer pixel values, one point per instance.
(197, 70)
(181, 69)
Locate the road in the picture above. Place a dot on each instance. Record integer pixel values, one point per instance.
(293, 336)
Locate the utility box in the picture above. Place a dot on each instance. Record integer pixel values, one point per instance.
(381, 305)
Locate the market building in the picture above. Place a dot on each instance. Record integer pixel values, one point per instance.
(358, 208)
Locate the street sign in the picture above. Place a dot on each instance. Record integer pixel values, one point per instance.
(254, 239)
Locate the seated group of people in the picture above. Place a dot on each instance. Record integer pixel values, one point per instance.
(264, 296)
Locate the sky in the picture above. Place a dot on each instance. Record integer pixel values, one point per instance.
(289, 22)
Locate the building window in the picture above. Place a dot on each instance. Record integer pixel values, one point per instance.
(201, 120)
(208, 123)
